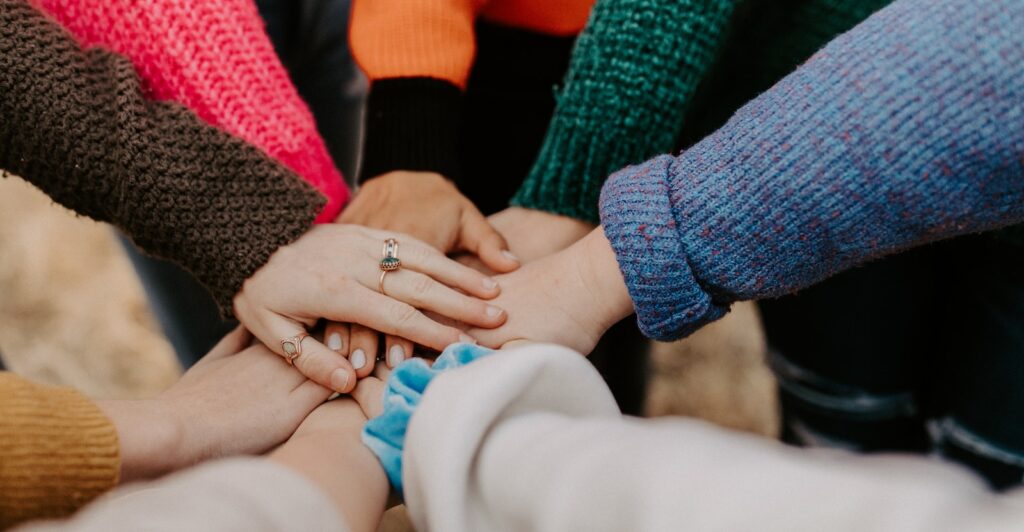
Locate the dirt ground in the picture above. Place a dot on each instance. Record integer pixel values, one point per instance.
(72, 312)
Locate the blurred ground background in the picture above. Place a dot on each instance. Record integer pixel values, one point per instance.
(72, 312)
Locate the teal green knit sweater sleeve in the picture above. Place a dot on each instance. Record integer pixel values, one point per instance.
(634, 68)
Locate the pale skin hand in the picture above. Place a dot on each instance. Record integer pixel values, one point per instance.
(430, 208)
(332, 272)
(533, 234)
(238, 399)
(327, 450)
(569, 298)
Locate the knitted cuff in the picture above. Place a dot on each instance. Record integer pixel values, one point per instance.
(58, 451)
(412, 124)
(385, 434)
(669, 300)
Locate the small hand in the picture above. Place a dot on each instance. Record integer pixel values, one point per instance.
(569, 298)
(531, 234)
(236, 400)
(332, 272)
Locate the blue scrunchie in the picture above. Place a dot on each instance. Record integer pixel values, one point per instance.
(385, 434)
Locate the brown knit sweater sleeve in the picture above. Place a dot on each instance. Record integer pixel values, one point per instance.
(75, 124)
(58, 451)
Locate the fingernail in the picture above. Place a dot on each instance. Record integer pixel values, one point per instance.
(339, 380)
(334, 342)
(396, 355)
(490, 284)
(467, 339)
(358, 359)
(510, 255)
(493, 312)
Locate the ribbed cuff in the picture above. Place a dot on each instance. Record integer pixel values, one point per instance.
(58, 451)
(670, 302)
(412, 124)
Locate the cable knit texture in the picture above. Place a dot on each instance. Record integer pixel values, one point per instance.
(76, 125)
(906, 130)
(215, 58)
(634, 68)
(58, 451)
(385, 434)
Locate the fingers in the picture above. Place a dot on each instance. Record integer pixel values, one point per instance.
(363, 351)
(336, 337)
(317, 362)
(396, 350)
(480, 238)
(423, 292)
(425, 259)
(391, 316)
(369, 394)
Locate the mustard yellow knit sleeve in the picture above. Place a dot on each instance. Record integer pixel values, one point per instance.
(58, 451)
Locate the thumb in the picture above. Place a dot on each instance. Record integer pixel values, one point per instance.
(369, 393)
(478, 237)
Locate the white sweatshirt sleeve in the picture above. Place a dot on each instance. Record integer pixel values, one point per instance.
(530, 439)
(230, 495)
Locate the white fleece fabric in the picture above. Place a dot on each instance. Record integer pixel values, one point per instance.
(531, 440)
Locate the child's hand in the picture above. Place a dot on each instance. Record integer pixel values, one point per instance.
(569, 298)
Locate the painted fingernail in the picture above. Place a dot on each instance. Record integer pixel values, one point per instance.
(339, 380)
(508, 254)
(334, 342)
(493, 312)
(490, 284)
(358, 359)
(467, 339)
(396, 355)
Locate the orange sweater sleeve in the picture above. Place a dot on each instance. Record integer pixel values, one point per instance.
(58, 451)
(415, 38)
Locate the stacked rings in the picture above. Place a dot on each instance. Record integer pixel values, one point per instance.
(390, 261)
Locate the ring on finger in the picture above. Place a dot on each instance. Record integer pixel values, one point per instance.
(389, 263)
(292, 347)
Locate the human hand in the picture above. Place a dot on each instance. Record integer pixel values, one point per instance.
(426, 206)
(430, 208)
(569, 298)
(327, 448)
(235, 400)
(332, 272)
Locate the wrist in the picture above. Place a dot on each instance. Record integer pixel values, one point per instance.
(149, 438)
(603, 281)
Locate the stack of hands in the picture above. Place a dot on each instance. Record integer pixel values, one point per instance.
(519, 275)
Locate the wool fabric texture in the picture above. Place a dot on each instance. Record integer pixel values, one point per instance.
(385, 434)
(58, 451)
(76, 125)
(635, 75)
(906, 130)
(215, 58)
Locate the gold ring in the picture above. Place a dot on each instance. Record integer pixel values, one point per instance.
(292, 347)
(380, 283)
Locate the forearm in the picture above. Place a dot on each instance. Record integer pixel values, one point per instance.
(633, 71)
(149, 438)
(895, 135)
(216, 59)
(77, 126)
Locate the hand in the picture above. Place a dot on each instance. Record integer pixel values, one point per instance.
(426, 206)
(332, 272)
(569, 298)
(430, 208)
(236, 400)
(327, 448)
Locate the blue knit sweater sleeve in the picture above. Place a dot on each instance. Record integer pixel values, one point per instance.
(905, 130)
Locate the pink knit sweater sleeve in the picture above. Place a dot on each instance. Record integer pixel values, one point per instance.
(215, 58)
